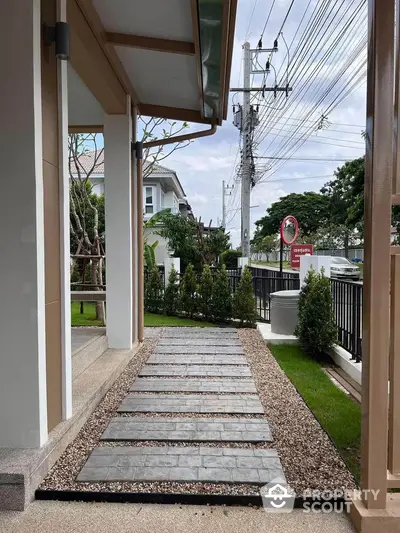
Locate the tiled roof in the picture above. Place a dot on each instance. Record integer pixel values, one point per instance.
(88, 159)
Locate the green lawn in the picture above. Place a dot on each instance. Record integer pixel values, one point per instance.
(89, 316)
(150, 319)
(339, 415)
(275, 264)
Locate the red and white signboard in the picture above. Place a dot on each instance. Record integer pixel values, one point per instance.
(296, 250)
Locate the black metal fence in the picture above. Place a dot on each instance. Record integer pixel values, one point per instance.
(347, 301)
(347, 298)
(263, 288)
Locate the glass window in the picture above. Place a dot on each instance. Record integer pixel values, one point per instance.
(149, 209)
(149, 195)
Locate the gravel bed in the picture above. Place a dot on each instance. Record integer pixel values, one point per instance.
(162, 487)
(62, 475)
(197, 393)
(309, 458)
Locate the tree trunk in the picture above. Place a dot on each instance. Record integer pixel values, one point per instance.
(346, 244)
(94, 269)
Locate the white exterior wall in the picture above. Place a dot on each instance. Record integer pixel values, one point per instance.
(118, 221)
(23, 406)
(62, 80)
(161, 251)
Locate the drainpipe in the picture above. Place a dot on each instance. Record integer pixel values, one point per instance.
(181, 138)
(139, 199)
(140, 239)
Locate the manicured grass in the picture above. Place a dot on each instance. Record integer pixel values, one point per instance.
(88, 318)
(150, 319)
(275, 264)
(339, 415)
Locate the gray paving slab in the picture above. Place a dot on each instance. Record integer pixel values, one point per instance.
(196, 329)
(191, 403)
(197, 359)
(189, 429)
(206, 333)
(223, 371)
(180, 464)
(220, 341)
(194, 385)
(234, 350)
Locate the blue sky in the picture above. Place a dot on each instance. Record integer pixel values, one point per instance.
(203, 165)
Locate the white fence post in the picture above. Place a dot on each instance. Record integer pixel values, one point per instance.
(170, 262)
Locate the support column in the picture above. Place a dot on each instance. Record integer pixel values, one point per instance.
(134, 232)
(23, 404)
(118, 222)
(140, 240)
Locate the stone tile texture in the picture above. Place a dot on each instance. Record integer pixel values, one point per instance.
(223, 371)
(186, 349)
(197, 359)
(191, 403)
(194, 385)
(182, 464)
(188, 429)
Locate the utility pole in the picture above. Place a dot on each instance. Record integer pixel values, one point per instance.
(225, 189)
(245, 118)
(223, 205)
(247, 128)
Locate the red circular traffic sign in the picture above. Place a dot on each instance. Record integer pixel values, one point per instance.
(289, 230)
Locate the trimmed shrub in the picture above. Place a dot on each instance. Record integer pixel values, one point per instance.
(244, 304)
(205, 292)
(221, 296)
(189, 291)
(316, 328)
(230, 258)
(171, 294)
(154, 292)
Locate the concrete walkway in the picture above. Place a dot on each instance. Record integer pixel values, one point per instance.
(60, 517)
(220, 385)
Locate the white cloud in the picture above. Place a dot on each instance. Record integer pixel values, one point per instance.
(203, 165)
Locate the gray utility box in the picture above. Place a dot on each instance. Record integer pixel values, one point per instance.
(283, 312)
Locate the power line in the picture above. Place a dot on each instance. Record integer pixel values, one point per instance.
(302, 158)
(251, 18)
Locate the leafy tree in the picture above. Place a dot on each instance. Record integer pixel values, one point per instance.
(230, 258)
(154, 291)
(192, 242)
(205, 292)
(221, 296)
(189, 291)
(244, 304)
(149, 254)
(171, 294)
(345, 194)
(316, 328)
(310, 208)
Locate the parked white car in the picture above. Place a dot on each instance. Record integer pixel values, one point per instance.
(344, 269)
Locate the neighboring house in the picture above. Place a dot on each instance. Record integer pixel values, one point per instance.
(161, 190)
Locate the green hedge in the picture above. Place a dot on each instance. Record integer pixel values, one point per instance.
(230, 258)
(207, 297)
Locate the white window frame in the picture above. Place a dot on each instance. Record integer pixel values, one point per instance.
(149, 204)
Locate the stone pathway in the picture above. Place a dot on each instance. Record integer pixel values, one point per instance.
(200, 403)
(194, 371)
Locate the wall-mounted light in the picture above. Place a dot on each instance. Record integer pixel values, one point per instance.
(58, 34)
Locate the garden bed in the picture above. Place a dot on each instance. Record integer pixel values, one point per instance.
(307, 451)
